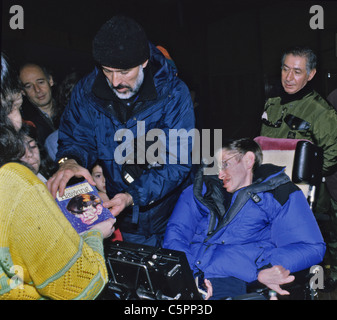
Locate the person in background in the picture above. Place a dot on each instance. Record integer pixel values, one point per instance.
(63, 94)
(41, 255)
(43, 166)
(301, 113)
(39, 105)
(99, 179)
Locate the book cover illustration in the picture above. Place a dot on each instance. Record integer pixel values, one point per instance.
(82, 206)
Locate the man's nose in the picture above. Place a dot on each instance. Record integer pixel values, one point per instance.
(37, 88)
(115, 79)
(290, 75)
(221, 174)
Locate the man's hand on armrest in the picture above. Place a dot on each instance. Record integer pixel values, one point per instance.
(274, 277)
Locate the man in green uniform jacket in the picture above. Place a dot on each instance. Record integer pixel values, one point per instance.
(301, 113)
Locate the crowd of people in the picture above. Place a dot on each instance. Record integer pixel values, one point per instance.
(250, 222)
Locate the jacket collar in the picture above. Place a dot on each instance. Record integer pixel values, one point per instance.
(287, 98)
(213, 184)
(268, 178)
(208, 190)
(264, 171)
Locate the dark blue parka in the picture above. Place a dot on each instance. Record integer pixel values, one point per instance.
(268, 223)
(92, 128)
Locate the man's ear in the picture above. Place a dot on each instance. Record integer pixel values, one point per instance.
(311, 74)
(249, 160)
(145, 63)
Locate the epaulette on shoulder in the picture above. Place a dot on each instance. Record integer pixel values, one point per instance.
(282, 192)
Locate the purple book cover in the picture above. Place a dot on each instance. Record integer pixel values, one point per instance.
(82, 206)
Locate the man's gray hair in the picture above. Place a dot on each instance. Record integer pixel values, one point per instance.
(302, 52)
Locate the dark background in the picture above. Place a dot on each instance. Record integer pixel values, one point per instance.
(227, 51)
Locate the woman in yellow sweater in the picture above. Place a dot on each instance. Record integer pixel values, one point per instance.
(41, 255)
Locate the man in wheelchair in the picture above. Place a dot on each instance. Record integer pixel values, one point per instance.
(250, 223)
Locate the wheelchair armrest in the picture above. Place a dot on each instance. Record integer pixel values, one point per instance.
(297, 288)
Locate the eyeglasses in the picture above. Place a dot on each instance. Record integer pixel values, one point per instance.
(224, 163)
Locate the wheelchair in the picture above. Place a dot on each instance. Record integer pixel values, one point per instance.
(138, 272)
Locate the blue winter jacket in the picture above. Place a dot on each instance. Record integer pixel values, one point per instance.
(89, 128)
(268, 223)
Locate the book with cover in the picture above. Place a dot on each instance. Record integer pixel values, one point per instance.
(82, 206)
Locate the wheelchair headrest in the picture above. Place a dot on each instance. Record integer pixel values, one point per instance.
(308, 163)
(281, 144)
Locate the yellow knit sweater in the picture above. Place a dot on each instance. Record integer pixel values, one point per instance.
(41, 255)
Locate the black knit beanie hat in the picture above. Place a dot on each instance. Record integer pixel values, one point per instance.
(121, 43)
